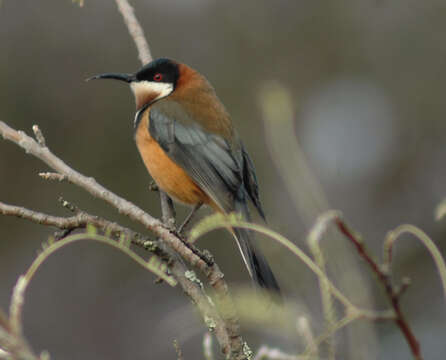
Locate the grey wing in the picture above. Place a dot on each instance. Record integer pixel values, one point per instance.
(250, 181)
(207, 158)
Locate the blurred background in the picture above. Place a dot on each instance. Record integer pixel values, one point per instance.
(367, 81)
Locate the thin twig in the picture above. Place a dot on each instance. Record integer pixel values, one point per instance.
(278, 107)
(392, 292)
(233, 348)
(16, 307)
(353, 312)
(12, 345)
(89, 184)
(435, 253)
(313, 239)
(14, 328)
(309, 351)
(384, 279)
(304, 329)
(227, 328)
(135, 31)
(78, 221)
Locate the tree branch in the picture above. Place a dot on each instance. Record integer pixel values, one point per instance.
(227, 329)
(393, 293)
(223, 319)
(13, 346)
(78, 221)
(235, 346)
(135, 31)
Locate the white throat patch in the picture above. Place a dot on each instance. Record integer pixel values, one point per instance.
(159, 88)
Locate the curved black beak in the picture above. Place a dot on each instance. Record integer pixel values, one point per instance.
(123, 77)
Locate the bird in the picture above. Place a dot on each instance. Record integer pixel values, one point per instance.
(188, 143)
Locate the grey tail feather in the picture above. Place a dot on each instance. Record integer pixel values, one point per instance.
(256, 263)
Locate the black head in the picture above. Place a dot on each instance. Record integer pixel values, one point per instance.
(152, 82)
(160, 70)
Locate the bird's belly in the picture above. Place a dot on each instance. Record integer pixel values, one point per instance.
(170, 177)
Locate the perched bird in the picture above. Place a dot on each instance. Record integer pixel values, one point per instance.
(187, 141)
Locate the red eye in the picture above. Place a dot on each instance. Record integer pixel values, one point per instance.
(158, 77)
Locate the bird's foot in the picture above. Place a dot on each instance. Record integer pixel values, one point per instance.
(170, 225)
(181, 229)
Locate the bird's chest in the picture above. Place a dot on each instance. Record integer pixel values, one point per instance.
(167, 174)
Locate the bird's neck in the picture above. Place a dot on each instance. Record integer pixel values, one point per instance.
(144, 98)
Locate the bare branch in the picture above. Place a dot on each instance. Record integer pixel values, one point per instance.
(392, 293)
(16, 307)
(316, 233)
(353, 312)
(227, 328)
(78, 221)
(137, 34)
(435, 253)
(304, 329)
(230, 340)
(13, 346)
(135, 30)
(89, 184)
